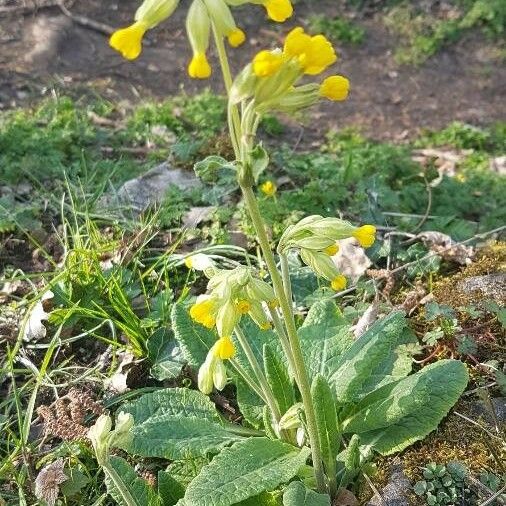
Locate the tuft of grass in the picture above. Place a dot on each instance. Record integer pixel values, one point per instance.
(338, 29)
(423, 34)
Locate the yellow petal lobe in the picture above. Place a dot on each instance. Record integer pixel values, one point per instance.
(199, 67)
(128, 41)
(335, 88)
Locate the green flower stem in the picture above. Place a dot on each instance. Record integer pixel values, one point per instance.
(260, 376)
(246, 378)
(287, 309)
(234, 121)
(285, 271)
(285, 343)
(118, 483)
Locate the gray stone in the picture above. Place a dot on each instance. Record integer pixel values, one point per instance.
(490, 285)
(481, 408)
(149, 189)
(396, 491)
(197, 215)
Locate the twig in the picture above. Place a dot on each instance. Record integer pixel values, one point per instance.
(377, 493)
(493, 497)
(84, 21)
(470, 420)
(429, 206)
(25, 9)
(479, 485)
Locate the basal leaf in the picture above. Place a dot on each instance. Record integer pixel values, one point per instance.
(250, 404)
(372, 360)
(171, 401)
(324, 338)
(164, 355)
(296, 494)
(397, 415)
(194, 339)
(279, 380)
(176, 437)
(169, 489)
(327, 422)
(138, 488)
(245, 470)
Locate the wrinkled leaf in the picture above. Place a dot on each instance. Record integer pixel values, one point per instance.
(245, 470)
(296, 494)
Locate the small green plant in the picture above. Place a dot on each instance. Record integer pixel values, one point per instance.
(442, 485)
(338, 29)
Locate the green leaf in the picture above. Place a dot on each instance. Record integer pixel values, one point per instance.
(139, 489)
(209, 169)
(164, 355)
(250, 403)
(278, 379)
(398, 414)
(324, 338)
(245, 470)
(169, 489)
(195, 339)
(348, 462)
(184, 471)
(171, 401)
(296, 494)
(326, 421)
(372, 360)
(176, 437)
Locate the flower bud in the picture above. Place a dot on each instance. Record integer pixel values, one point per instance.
(258, 315)
(201, 262)
(220, 375)
(301, 436)
(153, 12)
(321, 264)
(244, 85)
(198, 26)
(292, 418)
(226, 320)
(205, 379)
(335, 88)
(260, 290)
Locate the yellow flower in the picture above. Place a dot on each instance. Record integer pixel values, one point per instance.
(268, 188)
(236, 37)
(366, 235)
(331, 250)
(267, 63)
(243, 306)
(128, 41)
(266, 326)
(203, 312)
(335, 88)
(199, 67)
(278, 10)
(338, 283)
(224, 348)
(314, 54)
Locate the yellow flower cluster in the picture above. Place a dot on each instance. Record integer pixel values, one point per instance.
(270, 81)
(232, 294)
(317, 238)
(203, 16)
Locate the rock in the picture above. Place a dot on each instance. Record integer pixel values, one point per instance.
(396, 491)
(197, 215)
(149, 189)
(351, 259)
(480, 408)
(490, 285)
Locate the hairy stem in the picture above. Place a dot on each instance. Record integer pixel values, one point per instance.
(302, 377)
(260, 376)
(119, 484)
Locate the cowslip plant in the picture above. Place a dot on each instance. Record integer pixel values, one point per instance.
(315, 401)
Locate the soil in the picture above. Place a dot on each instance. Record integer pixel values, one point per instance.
(43, 50)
